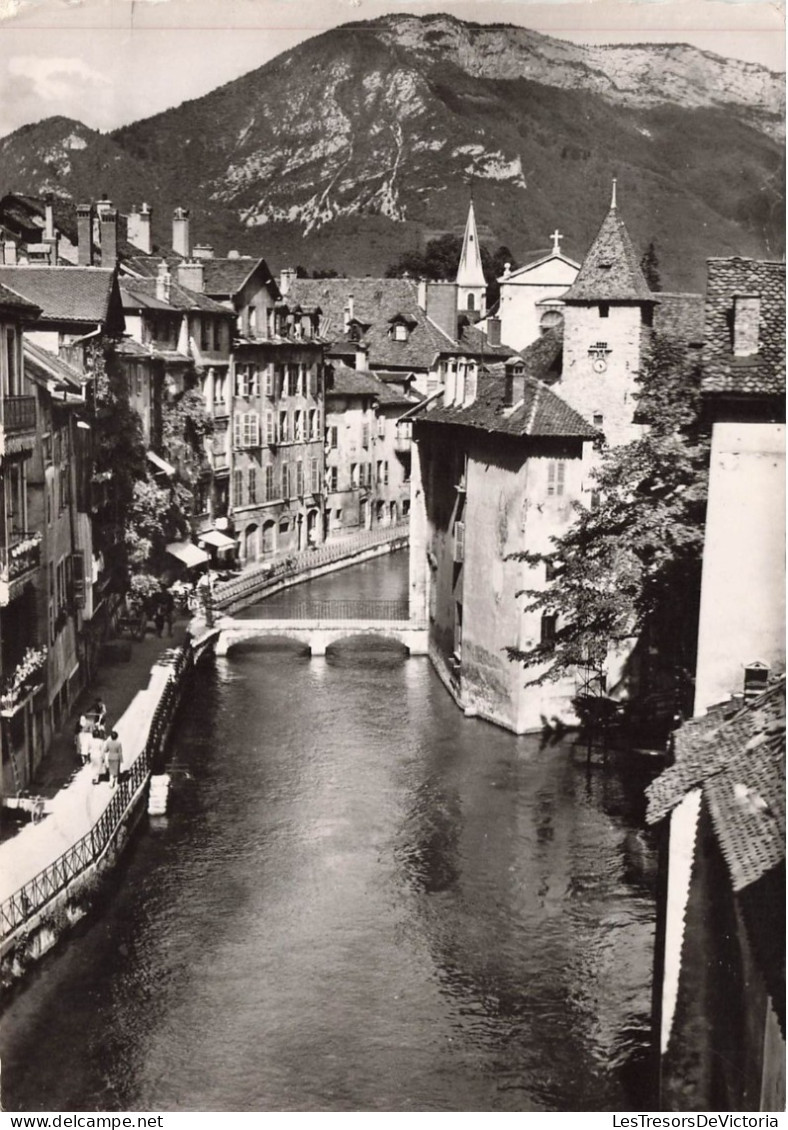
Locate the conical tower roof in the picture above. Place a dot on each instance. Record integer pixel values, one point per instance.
(611, 270)
(470, 273)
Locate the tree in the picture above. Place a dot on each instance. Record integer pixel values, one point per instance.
(441, 259)
(649, 265)
(632, 564)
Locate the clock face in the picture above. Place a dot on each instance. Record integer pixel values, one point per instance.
(600, 365)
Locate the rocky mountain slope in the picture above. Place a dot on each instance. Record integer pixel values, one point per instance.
(363, 141)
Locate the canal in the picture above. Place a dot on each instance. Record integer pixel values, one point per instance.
(361, 901)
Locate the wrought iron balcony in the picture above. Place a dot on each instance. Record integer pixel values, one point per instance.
(19, 560)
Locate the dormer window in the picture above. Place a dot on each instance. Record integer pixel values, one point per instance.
(400, 331)
(354, 333)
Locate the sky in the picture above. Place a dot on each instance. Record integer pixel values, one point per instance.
(110, 62)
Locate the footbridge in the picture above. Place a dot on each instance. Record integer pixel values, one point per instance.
(319, 624)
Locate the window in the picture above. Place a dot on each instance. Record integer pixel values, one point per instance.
(292, 380)
(556, 472)
(270, 383)
(365, 435)
(252, 321)
(599, 419)
(301, 385)
(547, 628)
(219, 390)
(332, 475)
(238, 488)
(299, 426)
(285, 480)
(471, 302)
(270, 429)
(284, 431)
(268, 472)
(300, 477)
(552, 569)
(385, 474)
(217, 335)
(252, 490)
(604, 309)
(355, 477)
(246, 429)
(381, 426)
(400, 332)
(333, 437)
(459, 541)
(314, 424)
(314, 476)
(205, 339)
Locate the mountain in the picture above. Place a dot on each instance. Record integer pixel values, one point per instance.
(362, 142)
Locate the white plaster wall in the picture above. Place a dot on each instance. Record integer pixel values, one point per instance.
(519, 314)
(742, 612)
(611, 393)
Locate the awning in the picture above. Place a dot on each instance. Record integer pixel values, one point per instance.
(162, 464)
(188, 553)
(214, 537)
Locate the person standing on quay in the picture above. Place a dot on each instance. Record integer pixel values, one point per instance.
(113, 757)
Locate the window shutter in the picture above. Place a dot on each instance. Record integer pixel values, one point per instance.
(459, 541)
(78, 577)
(561, 471)
(236, 429)
(285, 480)
(299, 477)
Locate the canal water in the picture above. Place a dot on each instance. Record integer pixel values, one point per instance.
(361, 901)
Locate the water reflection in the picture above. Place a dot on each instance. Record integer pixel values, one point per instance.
(362, 901)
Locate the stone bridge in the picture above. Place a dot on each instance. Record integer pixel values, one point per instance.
(317, 635)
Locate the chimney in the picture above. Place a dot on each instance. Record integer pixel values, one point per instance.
(442, 306)
(515, 382)
(203, 251)
(361, 356)
(49, 220)
(138, 228)
(181, 242)
(450, 387)
(191, 274)
(85, 235)
(108, 218)
(286, 278)
(351, 307)
(493, 331)
(421, 294)
(459, 388)
(9, 253)
(163, 281)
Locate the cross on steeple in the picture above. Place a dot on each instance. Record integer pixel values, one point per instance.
(556, 236)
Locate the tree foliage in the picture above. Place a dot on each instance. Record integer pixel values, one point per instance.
(441, 258)
(632, 564)
(649, 265)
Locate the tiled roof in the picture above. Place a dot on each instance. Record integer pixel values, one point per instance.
(64, 215)
(541, 412)
(737, 757)
(15, 303)
(40, 361)
(543, 358)
(359, 382)
(550, 257)
(375, 303)
(66, 294)
(226, 277)
(611, 269)
(680, 317)
(763, 373)
(142, 292)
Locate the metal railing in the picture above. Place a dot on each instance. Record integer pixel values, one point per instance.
(267, 574)
(14, 560)
(337, 610)
(19, 413)
(19, 907)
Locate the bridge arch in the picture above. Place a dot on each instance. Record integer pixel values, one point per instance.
(317, 637)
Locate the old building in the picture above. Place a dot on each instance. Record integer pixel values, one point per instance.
(368, 456)
(742, 613)
(720, 947)
(528, 304)
(498, 463)
(23, 651)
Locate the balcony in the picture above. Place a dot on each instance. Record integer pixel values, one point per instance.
(19, 414)
(402, 439)
(19, 560)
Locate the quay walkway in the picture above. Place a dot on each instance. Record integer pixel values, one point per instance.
(80, 819)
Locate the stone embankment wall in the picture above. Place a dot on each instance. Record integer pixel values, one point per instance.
(308, 564)
(53, 897)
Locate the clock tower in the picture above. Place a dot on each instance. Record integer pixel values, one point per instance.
(608, 312)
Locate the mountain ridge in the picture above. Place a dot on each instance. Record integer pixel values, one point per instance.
(362, 141)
